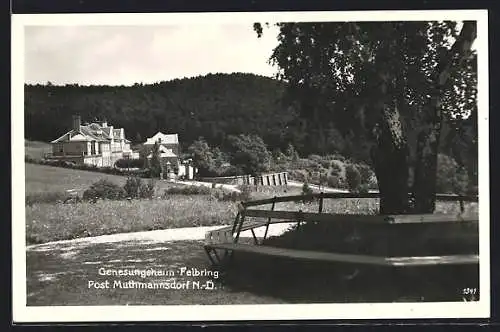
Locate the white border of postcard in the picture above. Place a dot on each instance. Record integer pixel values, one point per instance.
(23, 313)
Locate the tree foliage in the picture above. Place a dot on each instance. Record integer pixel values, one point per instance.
(202, 155)
(211, 106)
(155, 165)
(387, 87)
(250, 153)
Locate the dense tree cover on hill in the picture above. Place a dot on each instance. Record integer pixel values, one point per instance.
(216, 107)
(213, 106)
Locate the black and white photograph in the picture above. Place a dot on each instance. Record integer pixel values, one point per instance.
(250, 166)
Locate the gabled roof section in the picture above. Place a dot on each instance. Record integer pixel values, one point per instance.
(94, 132)
(162, 139)
(79, 138)
(63, 138)
(90, 132)
(164, 152)
(106, 130)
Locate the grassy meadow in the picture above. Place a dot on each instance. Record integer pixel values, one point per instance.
(56, 221)
(36, 150)
(51, 222)
(43, 179)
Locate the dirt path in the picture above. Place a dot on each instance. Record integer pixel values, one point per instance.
(67, 272)
(228, 187)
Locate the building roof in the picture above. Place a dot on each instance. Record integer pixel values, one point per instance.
(164, 153)
(162, 139)
(90, 132)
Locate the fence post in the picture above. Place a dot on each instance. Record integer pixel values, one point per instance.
(320, 209)
(299, 220)
(240, 224)
(269, 219)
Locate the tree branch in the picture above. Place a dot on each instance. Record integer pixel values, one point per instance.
(461, 47)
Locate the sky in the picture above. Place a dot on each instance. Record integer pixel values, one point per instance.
(124, 55)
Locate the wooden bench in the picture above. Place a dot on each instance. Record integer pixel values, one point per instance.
(225, 234)
(226, 239)
(348, 258)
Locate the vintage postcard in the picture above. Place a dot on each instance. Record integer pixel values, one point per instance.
(250, 166)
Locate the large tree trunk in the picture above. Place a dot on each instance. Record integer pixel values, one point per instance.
(390, 161)
(389, 154)
(424, 188)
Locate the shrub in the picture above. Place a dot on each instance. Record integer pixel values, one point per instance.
(473, 190)
(187, 190)
(450, 177)
(363, 188)
(233, 196)
(365, 173)
(306, 190)
(333, 181)
(246, 193)
(45, 197)
(229, 171)
(292, 153)
(299, 175)
(336, 156)
(31, 160)
(147, 190)
(335, 169)
(129, 163)
(104, 189)
(143, 173)
(316, 158)
(136, 188)
(353, 178)
(132, 186)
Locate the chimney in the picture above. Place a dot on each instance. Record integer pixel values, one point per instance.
(104, 123)
(76, 122)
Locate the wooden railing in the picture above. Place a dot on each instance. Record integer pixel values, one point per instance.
(321, 196)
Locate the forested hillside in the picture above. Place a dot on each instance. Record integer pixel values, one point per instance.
(212, 106)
